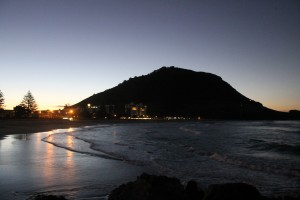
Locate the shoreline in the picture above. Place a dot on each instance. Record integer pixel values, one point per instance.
(48, 159)
(26, 126)
(30, 166)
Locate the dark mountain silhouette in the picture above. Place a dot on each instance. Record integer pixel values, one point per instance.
(171, 91)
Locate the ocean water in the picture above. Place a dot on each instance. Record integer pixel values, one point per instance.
(265, 154)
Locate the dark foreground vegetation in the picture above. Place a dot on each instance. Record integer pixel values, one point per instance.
(151, 187)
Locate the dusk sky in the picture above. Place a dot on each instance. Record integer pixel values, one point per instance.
(64, 51)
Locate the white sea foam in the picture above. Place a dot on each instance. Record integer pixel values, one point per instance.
(190, 129)
(220, 151)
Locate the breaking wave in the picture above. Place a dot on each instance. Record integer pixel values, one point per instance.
(279, 147)
(190, 129)
(230, 150)
(257, 166)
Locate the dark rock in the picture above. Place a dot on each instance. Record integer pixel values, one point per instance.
(193, 192)
(48, 197)
(150, 187)
(232, 191)
(294, 114)
(281, 198)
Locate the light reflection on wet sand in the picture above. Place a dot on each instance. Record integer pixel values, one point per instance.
(58, 167)
(49, 162)
(70, 144)
(69, 163)
(29, 166)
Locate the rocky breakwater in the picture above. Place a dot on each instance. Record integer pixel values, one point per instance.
(151, 187)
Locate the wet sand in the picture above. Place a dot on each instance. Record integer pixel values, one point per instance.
(25, 126)
(29, 166)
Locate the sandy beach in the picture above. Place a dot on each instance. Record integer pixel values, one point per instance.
(88, 159)
(24, 126)
(29, 166)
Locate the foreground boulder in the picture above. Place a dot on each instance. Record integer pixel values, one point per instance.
(150, 187)
(47, 197)
(192, 191)
(232, 191)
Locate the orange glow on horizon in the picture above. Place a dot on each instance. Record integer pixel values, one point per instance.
(277, 105)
